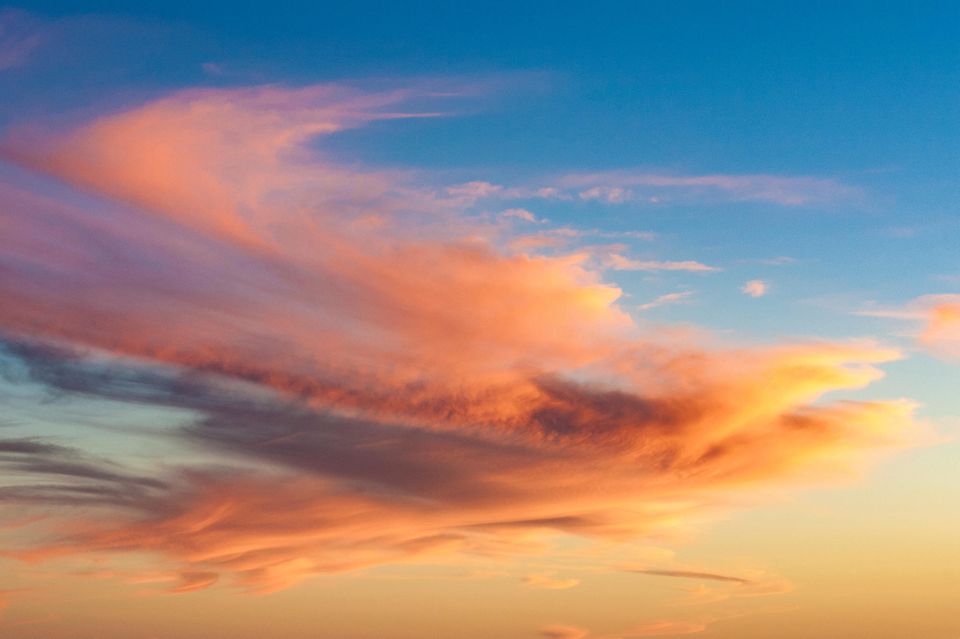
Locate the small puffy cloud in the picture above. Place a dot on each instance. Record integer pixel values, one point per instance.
(755, 288)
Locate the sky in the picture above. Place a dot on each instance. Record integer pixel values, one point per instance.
(479, 320)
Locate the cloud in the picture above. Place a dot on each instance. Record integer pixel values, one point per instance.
(212, 68)
(470, 192)
(620, 263)
(386, 493)
(520, 214)
(668, 298)
(782, 260)
(666, 628)
(663, 628)
(941, 331)
(714, 587)
(611, 195)
(755, 288)
(563, 632)
(937, 318)
(621, 186)
(58, 475)
(550, 582)
(20, 36)
(688, 574)
(366, 375)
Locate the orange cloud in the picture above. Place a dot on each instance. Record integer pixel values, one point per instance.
(375, 376)
(938, 317)
(666, 628)
(550, 582)
(654, 629)
(755, 288)
(563, 632)
(941, 333)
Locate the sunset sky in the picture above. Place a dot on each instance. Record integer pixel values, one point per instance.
(408, 320)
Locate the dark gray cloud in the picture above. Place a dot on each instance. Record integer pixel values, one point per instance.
(35, 471)
(693, 574)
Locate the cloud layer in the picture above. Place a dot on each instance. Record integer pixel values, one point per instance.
(374, 374)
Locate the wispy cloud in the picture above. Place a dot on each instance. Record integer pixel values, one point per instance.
(937, 321)
(617, 187)
(520, 214)
(668, 298)
(550, 582)
(781, 260)
(666, 628)
(620, 187)
(563, 632)
(20, 35)
(621, 263)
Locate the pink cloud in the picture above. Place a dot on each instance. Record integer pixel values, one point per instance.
(755, 288)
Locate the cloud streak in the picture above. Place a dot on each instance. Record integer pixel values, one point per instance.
(621, 263)
(667, 298)
(691, 574)
(617, 187)
(620, 187)
(20, 36)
